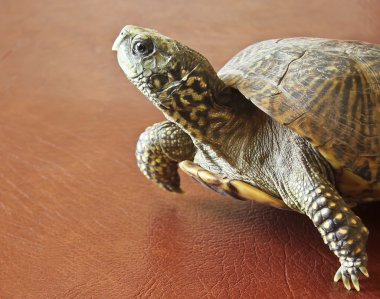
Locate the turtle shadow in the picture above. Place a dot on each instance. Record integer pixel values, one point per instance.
(271, 222)
(295, 232)
(368, 212)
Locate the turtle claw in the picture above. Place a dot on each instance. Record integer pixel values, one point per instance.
(364, 271)
(337, 276)
(355, 282)
(343, 274)
(346, 282)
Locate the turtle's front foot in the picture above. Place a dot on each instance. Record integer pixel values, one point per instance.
(159, 149)
(350, 271)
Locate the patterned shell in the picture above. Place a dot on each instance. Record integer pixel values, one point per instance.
(327, 91)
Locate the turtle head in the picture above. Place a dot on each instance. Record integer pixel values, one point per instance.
(159, 66)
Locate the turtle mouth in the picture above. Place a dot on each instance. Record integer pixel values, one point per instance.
(135, 77)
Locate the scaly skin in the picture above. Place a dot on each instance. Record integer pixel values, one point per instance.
(341, 230)
(159, 149)
(232, 137)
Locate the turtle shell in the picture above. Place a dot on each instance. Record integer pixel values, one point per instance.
(235, 188)
(327, 91)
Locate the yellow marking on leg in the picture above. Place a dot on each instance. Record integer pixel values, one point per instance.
(343, 231)
(326, 224)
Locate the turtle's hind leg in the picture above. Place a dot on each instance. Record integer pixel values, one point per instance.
(342, 231)
(159, 149)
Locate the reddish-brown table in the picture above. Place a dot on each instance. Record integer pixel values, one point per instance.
(78, 220)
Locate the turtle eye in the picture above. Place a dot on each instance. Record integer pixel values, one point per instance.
(143, 47)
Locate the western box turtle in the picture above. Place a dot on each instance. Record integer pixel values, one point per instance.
(289, 122)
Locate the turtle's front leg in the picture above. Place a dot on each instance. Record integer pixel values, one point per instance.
(159, 149)
(341, 229)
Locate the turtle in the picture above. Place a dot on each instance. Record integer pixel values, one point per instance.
(290, 122)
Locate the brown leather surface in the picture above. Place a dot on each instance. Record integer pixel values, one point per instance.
(78, 220)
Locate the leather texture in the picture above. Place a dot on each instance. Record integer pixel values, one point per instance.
(78, 219)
